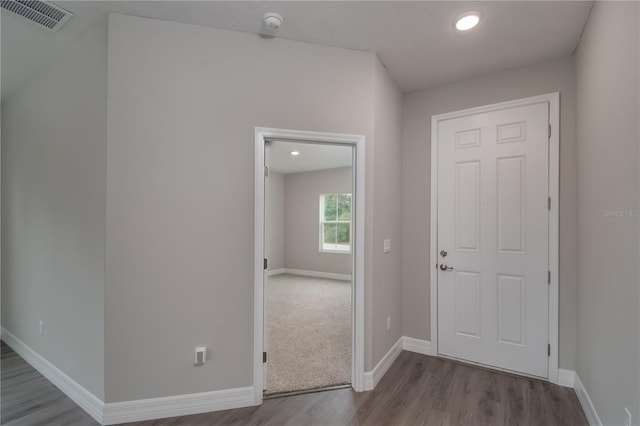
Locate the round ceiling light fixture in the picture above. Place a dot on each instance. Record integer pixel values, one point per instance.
(467, 21)
(295, 153)
(272, 20)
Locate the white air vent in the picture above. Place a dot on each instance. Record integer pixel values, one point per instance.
(41, 12)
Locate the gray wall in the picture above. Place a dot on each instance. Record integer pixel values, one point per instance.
(183, 102)
(301, 220)
(274, 232)
(497, 87)
(608, 357)
(53, 211)
(386, 199)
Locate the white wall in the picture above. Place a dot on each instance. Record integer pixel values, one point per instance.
(274, 232)
(173, 269)
(387, 211)
(301, 220)
(183, 102)
(608, 75)
(53, 211)
(518, 83)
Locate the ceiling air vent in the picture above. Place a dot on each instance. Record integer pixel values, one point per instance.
(41, 12)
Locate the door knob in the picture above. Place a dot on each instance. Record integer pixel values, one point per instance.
(444, 267)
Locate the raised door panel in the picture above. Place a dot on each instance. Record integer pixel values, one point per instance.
(467, 305)
(467, 206)
(512, 304)
(512, 196)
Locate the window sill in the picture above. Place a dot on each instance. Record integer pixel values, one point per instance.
(323, 250)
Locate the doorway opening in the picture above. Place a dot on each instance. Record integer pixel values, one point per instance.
(308, 333)
(309, 295)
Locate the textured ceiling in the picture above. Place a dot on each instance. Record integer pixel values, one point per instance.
(312, 157)
(415, 40)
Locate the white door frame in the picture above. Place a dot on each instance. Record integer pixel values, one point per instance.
(554, 188)
(357, 352)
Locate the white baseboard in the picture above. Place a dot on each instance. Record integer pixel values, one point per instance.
(130, 411)
(587, 406)
(275, 272)
(570, 379)
(316, 274)
(179, 405)
(566, 378)
(416, 345)
(367, 383)
(371, 378)
(76, 392)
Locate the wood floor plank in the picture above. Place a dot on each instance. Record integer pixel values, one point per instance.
(417, 390)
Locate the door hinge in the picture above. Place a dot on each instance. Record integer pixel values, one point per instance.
(549, 130)
(264, 357)
(549, 277)
(549, 203)
(266, 171)
(266, 262)
(548, 350)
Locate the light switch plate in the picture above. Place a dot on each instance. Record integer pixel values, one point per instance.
(387, 246)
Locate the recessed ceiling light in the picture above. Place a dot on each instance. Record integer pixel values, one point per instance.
(467, 21)
(295, 153)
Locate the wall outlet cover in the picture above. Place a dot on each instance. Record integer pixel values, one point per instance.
(200, 355)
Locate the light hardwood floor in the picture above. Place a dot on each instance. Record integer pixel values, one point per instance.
(417, 390)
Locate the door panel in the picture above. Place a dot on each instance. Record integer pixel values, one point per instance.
(511, 309)
(467, 206)
(512, 193)
(468, 303)
(493, 222)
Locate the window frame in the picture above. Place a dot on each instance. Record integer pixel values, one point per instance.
(323, 222)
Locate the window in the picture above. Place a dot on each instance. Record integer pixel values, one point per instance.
(335, 223)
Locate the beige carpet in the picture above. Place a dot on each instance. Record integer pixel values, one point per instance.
(309, 333)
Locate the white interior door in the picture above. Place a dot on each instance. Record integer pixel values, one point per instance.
(493, 231)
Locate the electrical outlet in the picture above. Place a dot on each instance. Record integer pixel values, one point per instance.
(200, 355)
(41, 328)
(388, 324)
(627, 422)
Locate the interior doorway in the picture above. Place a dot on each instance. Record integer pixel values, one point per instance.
(309, 319)
(308, 245)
